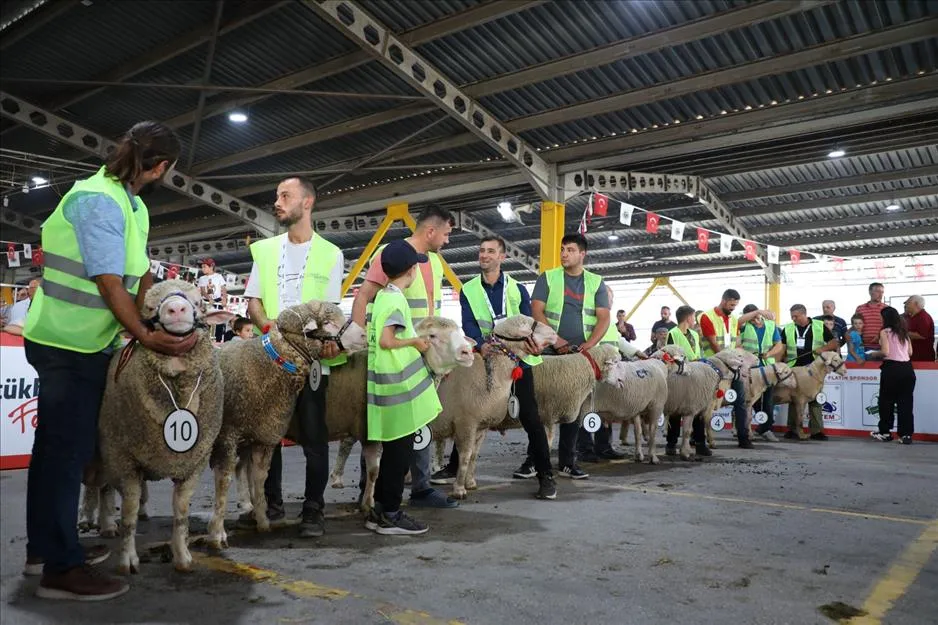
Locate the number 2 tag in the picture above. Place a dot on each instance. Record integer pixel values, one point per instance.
(315, 375)
(180, 430)
(422, 438)
(760, 418)
(514, 407)
(592, 422)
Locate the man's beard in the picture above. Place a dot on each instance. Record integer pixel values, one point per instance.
(288, 219)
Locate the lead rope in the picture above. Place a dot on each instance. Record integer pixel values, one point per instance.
(172, 398)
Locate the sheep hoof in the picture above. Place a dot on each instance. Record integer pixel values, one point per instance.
(685, 456)
(472, 486)
(654, 460)
(183, 566)
(459, 493)
(263, 528)
(143, 516)
(639, 458)
(110, 532)
(85, 526)
(338, 484)
(129, 567)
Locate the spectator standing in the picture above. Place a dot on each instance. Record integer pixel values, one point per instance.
(855, 350)
(665, 322)
(896, 378)
(872, 320)
(16, 315)
(624, 327)
(921, 329)
(214, 290)
(658, 340)
(828, 307)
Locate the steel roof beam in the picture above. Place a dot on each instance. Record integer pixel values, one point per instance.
(832, 183)
(97, 145)
(775, 210)
(30, 20)
(371, 35)
(448, 25)
(20, 222)
(196, 248)
(877, 219)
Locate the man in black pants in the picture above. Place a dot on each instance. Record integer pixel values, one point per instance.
(486, 299)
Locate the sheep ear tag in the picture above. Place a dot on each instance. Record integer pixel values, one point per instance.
(514, 406)
(760, 418)
(422, 438)
(730, 396)
(315, 375)
(592, 422)
(181, 430)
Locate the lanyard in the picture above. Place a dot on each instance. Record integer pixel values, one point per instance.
(802, 332)
(488, 300)
(301, 275)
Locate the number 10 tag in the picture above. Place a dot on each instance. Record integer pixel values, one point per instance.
(180, 430)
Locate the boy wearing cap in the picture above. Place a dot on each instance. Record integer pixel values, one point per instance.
(398, 406)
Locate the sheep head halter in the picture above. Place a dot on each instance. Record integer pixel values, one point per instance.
(528, 340)
(154, 321)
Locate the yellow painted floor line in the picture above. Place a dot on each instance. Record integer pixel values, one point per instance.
(899, 577)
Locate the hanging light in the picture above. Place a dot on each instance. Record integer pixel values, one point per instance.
(836, 153)
(237, 117)
(893, 207)
(504, 209)
(613, 237)
(38, 180)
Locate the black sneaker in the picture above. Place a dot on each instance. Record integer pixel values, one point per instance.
(547, 488)
(670, 451)
(395, 524)
(819, 436)
(525, 471)
(791, 435)
(611, 454)
(746, 444)
(885, 438)
(703, 450)
(588, 456)
(906, 440)
(275, 512)
(573, 472)
(443, 476)
(312, 525)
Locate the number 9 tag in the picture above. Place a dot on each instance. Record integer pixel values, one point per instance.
(422, 438)
(592, 422)
(180, 431)
(315, 375)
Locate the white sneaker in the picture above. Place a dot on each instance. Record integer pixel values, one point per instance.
(769, 436)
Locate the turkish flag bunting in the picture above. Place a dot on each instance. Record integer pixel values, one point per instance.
(838, 264)
(582, 228)
(795, 256)
(880, 269)
(919, 271)
(600, 205)
(750, 250)
(37, 256)
(651, 223)
(703, 240)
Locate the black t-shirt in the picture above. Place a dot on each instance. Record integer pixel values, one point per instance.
(806, 353)
(662, 324)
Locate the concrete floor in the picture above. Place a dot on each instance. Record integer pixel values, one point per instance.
(749, 537)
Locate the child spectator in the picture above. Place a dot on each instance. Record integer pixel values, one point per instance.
(855, 350)
(403, 403)
(243, 329)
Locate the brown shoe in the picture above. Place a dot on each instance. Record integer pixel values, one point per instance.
(81, 583)
(95, 554)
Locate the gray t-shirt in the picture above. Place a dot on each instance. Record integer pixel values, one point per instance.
(571, 319)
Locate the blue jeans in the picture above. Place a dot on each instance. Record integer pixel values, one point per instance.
(71, 388)
(740, 411)
(420, 470)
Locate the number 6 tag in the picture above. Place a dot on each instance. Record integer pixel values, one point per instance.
(592, 422)
(180, 431)
(422, 438)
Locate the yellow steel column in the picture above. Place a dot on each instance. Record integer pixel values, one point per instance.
(773, 297)
(651, 287)
(666, 281)
(552, 225)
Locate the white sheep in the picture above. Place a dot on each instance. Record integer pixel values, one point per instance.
(261, 394)
(160, 416)
(475, 399)
(634, 392)
(693, 389)
(809, 380)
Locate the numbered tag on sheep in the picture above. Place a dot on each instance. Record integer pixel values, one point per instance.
(514, 407)
(660, 421)
(422, 438)
(181, 430)
(730, 396)
(821, 398)
(717, 423)
(315, 375)
(760, 418)
(592, 422)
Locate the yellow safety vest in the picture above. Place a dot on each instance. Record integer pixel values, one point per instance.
(68, 311)
(401, 395)
(791, 340)
(751, 344)
(480, 305)
(721, 333)
(416, 294)
(553, 308)
(677, 338)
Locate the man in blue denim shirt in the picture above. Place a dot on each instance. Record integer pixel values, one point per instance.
(491, 256)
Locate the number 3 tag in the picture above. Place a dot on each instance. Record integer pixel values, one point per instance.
(180, 430)
(514, 407)
(592, 422)
(730, 396)
(315, 375)
(422, 438)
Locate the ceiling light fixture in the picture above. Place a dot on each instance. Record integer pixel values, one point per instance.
(893, 207)
(837, 153)
(504, 209)
(237, 117)
(37, 180)
(613, 237)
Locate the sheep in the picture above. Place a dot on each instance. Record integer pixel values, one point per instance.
(260, 397)
(635, 391)
(693, 389)
(98, 506)
(809, 380)
(475, 399)
(346, 401)
(140, 434)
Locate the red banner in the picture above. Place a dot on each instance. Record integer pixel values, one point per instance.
(750, 247)
(795, 256)
(703, 240)
(651, 223)
(600, 205)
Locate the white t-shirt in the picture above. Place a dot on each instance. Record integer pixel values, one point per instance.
(215, 282)
(290, 274)
(16, 314)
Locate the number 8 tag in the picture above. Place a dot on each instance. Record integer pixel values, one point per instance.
(180, 431)
(422, 438)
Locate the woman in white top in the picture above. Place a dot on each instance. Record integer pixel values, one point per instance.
(896, 378)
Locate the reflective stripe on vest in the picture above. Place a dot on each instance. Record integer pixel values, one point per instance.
(553, 308)
(401, 397)
(750, 340)
(68, 311)
(720, 329)
(479, 305)
(791, 340)
(320, 261)
(678, 338)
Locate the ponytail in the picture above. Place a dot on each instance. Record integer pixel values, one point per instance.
(140, 149)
